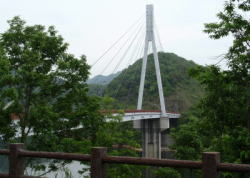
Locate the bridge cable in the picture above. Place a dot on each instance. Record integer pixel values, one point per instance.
(119, 50)
(138, 56)
(158, 36)
(124, 54)
(141, 47)
(126, 32)
(135, 54)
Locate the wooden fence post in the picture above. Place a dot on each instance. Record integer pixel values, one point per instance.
(16, 163)
(97, 166)
(210, 161)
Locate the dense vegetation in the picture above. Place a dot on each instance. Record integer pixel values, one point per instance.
(98, 84)
(102, 79)
(44, 87)
(221, 121)
(181, 91)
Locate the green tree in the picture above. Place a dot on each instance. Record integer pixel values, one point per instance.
(44, 86)
(224, 123)
(188, 141)
(226, 106)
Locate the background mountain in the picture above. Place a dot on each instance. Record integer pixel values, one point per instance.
(102, 79)
(98, 83)
(180, 90)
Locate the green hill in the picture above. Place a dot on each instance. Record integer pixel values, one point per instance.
(102, 79)
(180, 90)
(98, 84)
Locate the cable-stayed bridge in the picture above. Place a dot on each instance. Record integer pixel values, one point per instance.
(141, 41)
(152, 123)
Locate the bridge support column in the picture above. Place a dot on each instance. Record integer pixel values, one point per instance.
(151, 135)
(151, 138)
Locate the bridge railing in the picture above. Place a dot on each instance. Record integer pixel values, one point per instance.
(210, 164)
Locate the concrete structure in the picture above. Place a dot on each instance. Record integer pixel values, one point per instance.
(138, 115)
(151, 124)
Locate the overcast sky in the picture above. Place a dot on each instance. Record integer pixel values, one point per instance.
(91, 26)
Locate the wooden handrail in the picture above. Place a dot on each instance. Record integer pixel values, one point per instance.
(54, 155)
(153, 162)
(4, 152)
(234, 167)
(210, 164)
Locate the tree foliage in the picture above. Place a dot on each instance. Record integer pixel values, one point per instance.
(223, 123)
(43, 86)
(234, 21)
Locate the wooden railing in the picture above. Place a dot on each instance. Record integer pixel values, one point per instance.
(210, 164)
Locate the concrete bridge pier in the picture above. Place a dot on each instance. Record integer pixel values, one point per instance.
(151, 138)
(151, 135)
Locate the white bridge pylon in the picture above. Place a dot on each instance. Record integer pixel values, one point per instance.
(150, 38)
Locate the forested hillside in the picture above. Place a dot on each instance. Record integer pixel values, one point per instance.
(98, 83)
(102, 79)
(181, 91)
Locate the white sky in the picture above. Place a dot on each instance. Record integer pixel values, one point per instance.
(91, 26)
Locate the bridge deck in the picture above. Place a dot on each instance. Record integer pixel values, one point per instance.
(132, 115)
